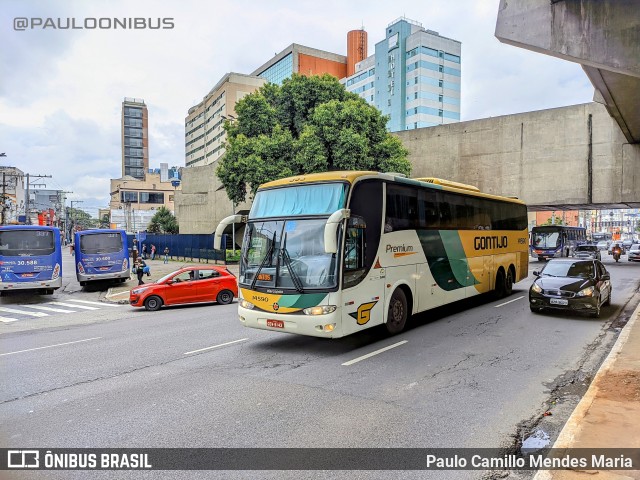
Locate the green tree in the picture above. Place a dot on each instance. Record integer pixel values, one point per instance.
(163, 222)
(307, 125)
(558, 221)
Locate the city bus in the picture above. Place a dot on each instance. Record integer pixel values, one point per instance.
(30, 258)
(552, 241)
(330, 254)
(101, 255)
(602, 236)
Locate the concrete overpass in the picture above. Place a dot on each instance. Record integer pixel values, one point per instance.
(601, 35)
(568, 158)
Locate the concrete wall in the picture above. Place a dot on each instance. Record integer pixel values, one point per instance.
(541, 157)
(201, 203)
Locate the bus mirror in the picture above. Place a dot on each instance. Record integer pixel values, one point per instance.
(217, 238)
(331, 229)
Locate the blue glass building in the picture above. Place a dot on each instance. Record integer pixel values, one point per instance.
(413, 76)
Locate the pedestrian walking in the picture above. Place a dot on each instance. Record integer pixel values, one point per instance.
(153, 252)
(140, 265)
(166, 254)
(144, 251)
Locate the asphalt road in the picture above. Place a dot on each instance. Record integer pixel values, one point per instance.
(478, 374)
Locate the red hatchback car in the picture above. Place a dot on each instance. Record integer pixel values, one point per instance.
(187, 285)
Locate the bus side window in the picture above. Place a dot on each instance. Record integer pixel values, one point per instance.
(354, 251)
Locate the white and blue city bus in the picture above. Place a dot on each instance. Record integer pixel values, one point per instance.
(30, 258)
(101, 255)
(552, 241)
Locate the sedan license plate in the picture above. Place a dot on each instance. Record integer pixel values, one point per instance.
(559, 301)
(275, 323)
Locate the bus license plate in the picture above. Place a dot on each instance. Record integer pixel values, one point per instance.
(558, 301)
(275, 323)
(27, 275)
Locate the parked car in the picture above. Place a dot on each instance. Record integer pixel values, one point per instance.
(633, 255)
(613, 244)
(188, 285)
(587, 251)
(573, 285)
(602, 245)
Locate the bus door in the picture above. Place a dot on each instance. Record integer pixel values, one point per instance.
(363, 278)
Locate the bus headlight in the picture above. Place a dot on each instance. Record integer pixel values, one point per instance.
(80, 268)
(56, 272)
(586, 292)
(247, 305)
(124, 264)
(536, 288)
(320, 310)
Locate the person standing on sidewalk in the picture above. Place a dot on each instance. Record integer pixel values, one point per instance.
(140, 265)
(153, 252)
(144, 251)
(166, 254)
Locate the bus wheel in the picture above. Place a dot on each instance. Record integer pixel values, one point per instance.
(508, 284)
(397, 314)
(152, 303)
(82, 284)
(498, 289)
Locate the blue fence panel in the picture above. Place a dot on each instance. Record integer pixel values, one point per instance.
(187, 246)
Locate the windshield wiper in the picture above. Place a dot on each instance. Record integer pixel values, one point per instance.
(264, 261)
(287, 261)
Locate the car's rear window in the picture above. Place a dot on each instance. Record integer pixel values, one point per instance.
(586, 248)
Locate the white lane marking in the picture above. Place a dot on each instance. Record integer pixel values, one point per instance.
(514, 300)
(33, 314)
(48, 309)
(102, 304)
(364, 357)
(70, 305)
(216, 346)
(8, 320)
(50, 346)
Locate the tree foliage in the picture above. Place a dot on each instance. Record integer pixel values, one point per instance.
(163, 222)
(307, 125)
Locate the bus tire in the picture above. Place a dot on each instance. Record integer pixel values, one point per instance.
(82, 284)
(508, 283)
(153, 303)
(498, 291)
(397, 313)
(225, 297)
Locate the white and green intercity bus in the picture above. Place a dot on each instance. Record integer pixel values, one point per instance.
(330, 254)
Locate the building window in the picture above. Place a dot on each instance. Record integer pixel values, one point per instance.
(126, 197)
(440, 112)
(415, 95)
(151, 197)
(440, 83)
(440, 68)
(415, 81)
(440, 98)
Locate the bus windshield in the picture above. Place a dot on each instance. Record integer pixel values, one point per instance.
(26, 243)
(101, 243)
(546, 239)
(287, 254)
(315, 199)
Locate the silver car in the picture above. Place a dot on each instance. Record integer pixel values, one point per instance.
(633, 255)
(586, 252)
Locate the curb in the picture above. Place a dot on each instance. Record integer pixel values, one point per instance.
(573, 425)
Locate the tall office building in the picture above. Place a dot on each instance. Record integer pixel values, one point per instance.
(413, 76)
(135, 138)
(303, 60)
(204, 134)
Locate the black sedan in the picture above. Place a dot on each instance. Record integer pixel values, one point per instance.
(569, 284)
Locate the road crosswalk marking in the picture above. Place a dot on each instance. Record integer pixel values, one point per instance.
(8, 320)
(13, 310)
(101, 304)
(48, 309)
(71, 305)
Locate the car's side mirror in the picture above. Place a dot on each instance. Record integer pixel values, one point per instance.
(536, 273)
(606, 276)
(170, 282)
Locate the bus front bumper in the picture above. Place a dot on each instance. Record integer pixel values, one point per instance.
(46, 284)
(90, 277)
(324, 326)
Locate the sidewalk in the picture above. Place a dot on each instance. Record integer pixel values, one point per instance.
(608, 416)
(159, 269)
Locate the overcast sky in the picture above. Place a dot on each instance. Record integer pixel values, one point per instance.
(61, 90)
